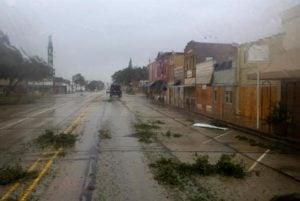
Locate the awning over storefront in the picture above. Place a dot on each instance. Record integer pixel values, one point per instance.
(188, 85)
(177, 82)
(184, 85)
(158, 85)
(204, 72)
(273, 74)
(283, 66)
(149, 84)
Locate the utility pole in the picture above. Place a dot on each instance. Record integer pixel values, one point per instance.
(257, 99)
(50, 52)
(50, 59)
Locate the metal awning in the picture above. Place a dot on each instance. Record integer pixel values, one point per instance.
(184, 85)
(276, 74)
(204, 72)
(149, 84)
(177, 82)
(158, 85)
(188, 85)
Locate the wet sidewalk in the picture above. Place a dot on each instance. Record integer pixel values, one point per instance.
(275, 168)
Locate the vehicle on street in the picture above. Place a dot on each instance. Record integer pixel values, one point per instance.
(115, 90)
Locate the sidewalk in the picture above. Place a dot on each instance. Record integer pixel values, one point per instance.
(194, 116)
(277, 172)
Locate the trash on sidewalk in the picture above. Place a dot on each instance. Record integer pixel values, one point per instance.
(209, 126)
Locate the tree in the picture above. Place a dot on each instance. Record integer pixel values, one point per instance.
(36, 69)
(15, 68)
(126, 75)
(95, 85)
(10, 61)
(78, 79)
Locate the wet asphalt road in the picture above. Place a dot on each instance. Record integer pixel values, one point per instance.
(95, 169)
(20, 124)
(116, 168)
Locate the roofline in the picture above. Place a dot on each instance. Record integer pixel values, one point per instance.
(212, 43)
(262, 39)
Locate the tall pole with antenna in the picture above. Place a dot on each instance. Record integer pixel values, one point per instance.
(50, 59)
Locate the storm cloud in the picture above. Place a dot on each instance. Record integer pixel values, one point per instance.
(97, 38)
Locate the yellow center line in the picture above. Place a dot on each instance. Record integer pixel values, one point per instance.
(33, 185)
(69, 130)
(75, 123)
(28, 191)
(10, 191)
(31, 168)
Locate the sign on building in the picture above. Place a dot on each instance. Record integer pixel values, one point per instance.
(258, 53)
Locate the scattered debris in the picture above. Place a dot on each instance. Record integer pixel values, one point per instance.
(91, 187)
(177, 135)
(225, 166)
(145, 132)
(172, 172)
(62, 153)
(104, 134)
(145, 126)
(157, 122)
(217, 123)
(146, 136)
(288, 197)
(179, 175)
(49, 138)
(10, 174)
(167, 171)
(252, 142)
(209, 126)
(170, 134)
(12, 199)
(190, 120)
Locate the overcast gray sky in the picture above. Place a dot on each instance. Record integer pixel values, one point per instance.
(97, 37)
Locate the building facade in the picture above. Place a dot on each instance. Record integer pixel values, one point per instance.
(203, 84)
(161, 76)
(255, 85)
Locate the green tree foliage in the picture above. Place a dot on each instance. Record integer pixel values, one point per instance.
(78, 79)
(95, 85)
(126, 75)
(36, 69)
(15, 68)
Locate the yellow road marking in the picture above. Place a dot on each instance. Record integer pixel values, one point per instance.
(31, 168)
(33, 185)
(69, 130)
(43, 172)
(10, 191)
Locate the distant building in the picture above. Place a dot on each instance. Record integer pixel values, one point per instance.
(200, 60)
(161, 75)
(237, 83)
